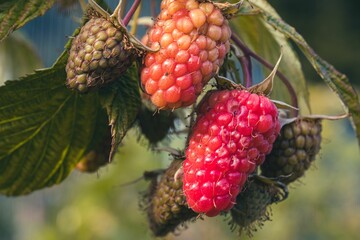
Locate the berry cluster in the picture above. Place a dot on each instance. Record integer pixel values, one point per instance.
(235, 129)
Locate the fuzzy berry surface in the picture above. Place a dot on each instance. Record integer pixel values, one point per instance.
(193, 38)
(252, 206)
(233, 132)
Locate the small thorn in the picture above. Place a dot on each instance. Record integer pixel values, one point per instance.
(179, 174)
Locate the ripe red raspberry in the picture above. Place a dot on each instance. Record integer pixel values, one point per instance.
(233, 132)
(193, 39)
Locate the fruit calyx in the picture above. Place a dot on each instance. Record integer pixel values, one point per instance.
(263, 88)
(115, 19)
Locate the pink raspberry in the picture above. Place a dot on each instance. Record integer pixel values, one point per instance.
(233, 132)
(193, 39)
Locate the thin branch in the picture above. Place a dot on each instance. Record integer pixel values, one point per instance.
(123, 8)
(246, 68)
(135, 20)
(153, 8)
(283, 78)
(131, 12)
(82, 5)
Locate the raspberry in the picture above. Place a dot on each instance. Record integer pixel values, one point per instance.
(97, 55)
(294, 150)
(166, 204)
(233, 132)
(193, 39)
(252, 206)
(155, 125)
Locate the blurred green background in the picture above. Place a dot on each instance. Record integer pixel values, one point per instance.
(324, 205)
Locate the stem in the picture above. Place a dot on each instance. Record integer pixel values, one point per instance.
(131, 12)
(82, 5)
(135, 20)
(283, 78)
(170, 150)
(246, 68)
(248, 58)
(153, 8)
(191, 124)
(123, 7)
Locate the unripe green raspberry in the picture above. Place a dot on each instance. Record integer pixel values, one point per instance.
(167, 208)
(294, 150)
(98, 54)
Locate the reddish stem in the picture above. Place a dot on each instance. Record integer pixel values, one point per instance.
(246, 68)
(153, 8)
(131, 12)
(283, 78)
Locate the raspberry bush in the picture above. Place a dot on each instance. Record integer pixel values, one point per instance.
(190, 85)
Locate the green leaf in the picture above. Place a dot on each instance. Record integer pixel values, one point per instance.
(45, 129)
(16, 13)
(263, 39)
(97, 154)
(337, 81)
(122, 102)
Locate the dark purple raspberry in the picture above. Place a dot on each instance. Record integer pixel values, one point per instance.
(294, 150)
